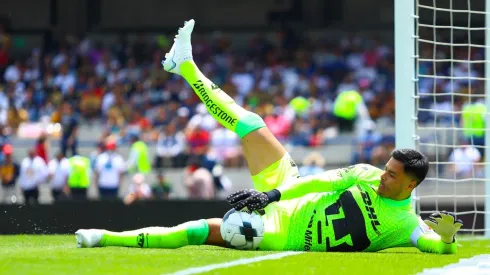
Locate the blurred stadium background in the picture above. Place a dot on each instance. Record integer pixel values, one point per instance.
(85, 75)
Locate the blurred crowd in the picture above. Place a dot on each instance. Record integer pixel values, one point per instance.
(104, 170)
(123, 86)
(307, 90)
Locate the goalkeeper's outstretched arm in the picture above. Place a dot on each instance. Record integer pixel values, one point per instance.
(328, 181)
(432, 243)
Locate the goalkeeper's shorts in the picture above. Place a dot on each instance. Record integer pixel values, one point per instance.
(278, 215)
(276, 174)
(277, 222)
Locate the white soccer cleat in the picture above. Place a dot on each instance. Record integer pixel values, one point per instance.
(88, 237)
(181, 49)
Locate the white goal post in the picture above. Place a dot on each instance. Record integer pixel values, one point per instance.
(487, 120)
(442, 56)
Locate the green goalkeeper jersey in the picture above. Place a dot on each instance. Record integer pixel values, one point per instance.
(340, 210)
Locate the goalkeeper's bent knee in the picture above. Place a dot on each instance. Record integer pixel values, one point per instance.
(249, 123)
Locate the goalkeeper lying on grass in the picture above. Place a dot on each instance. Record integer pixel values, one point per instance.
(359, 208)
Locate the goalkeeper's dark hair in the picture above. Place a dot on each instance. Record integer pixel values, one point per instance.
(415, 163)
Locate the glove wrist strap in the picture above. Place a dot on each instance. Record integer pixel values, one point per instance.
(453, 239)
(273, 195)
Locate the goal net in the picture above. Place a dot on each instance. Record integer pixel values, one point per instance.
(451, 105)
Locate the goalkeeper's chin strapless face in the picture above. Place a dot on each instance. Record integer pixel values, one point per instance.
(395, 183)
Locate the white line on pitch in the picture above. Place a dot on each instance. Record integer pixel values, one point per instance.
(206, 268)
(478, 265)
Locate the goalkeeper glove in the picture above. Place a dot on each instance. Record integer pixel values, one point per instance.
(445, 225)
(252, 199)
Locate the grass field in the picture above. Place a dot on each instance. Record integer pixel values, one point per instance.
(28, 254)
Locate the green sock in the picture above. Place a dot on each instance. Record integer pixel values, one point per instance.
(189, 233)
(220, 105)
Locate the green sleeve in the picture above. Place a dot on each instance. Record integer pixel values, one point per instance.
(431, 243)
(329, 181)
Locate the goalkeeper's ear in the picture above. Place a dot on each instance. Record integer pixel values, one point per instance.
(413, 183)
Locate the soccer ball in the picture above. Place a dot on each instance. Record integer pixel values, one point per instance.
(242, 230)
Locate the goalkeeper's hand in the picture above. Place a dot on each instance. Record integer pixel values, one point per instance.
(445, 225)
(252, 199)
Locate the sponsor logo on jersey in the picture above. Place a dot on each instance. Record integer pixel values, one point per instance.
(370, 209)
(308, 234)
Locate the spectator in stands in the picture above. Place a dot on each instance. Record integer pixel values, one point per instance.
(162, 188)
(182, 120)
(42, 147)
(139, 159)
(59, 169)
(109, 170)
(198, 140)
(278, 123)
(464, 160)
(198, 180)
(91, 99)
(4, 108)
(9, 172)
(4, 60)
(222, 183)
(381, 153)
(33, 172)
(108, 102)
(138, 123)
(202, 119)
(225, 147)
(4, 139)
(160, 119)
(95, 154)
(69, 125)
(64, 81)
(138, 190)
(317, 137)
(348, 84)
(13, 72)
(313, 164)
(349, 108)
(15, 114)
(116, 74)
(300, 133)
(170, 148)
(366, 142)
(473, 122)
(115, 123)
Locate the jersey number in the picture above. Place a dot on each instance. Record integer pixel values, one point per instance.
(352, 223)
